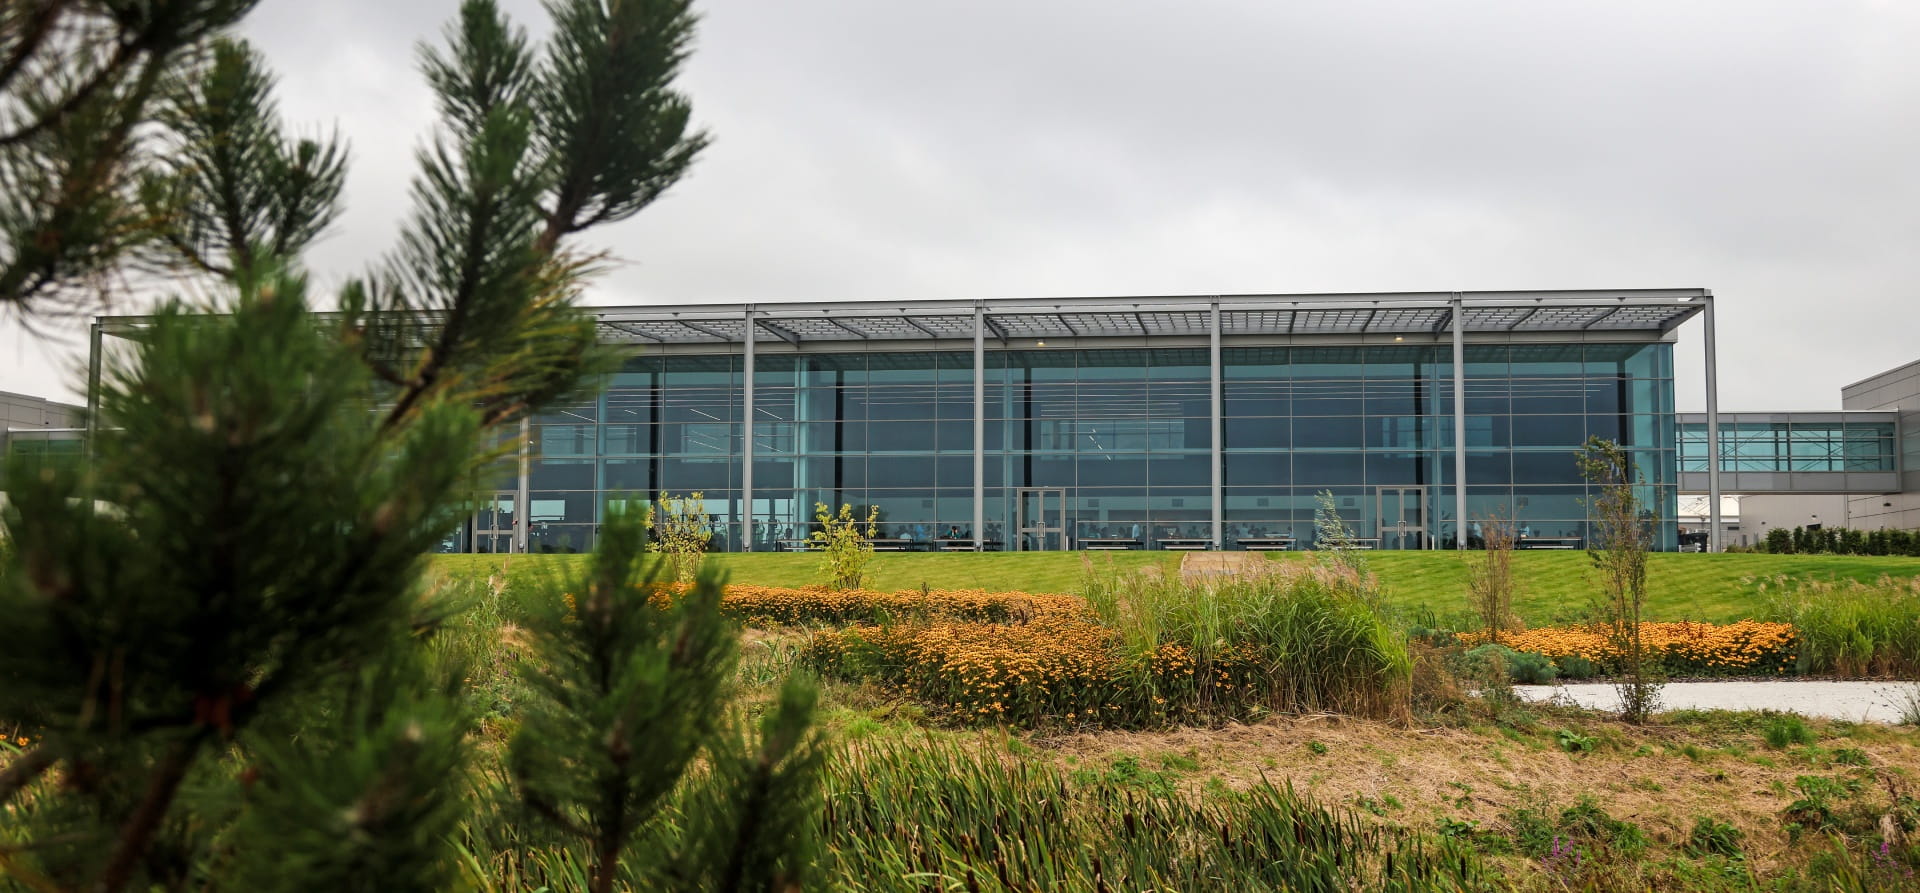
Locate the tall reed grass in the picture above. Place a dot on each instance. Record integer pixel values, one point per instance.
(1307, 637)
(1850, 628)
(920, 817)
(912, 817)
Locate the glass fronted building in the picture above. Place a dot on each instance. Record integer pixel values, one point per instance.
(1199, 422)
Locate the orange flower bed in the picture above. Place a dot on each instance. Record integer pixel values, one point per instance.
(1051, 669)
(818, 604)
(1743, 648)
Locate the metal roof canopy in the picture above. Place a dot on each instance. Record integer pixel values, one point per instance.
(1653, 311)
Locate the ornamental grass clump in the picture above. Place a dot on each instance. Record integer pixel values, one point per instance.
(1304, 637)
(1851, 628)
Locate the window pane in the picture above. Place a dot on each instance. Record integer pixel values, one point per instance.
(1257, 433)
(562, 474)
(1258, 468)
(1329, 468)
(1335, 432)
(1179, 470)
(628, 475)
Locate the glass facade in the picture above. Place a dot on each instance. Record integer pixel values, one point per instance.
(1111, 444)
(1792, 446)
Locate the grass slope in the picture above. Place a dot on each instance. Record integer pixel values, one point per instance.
(1552, 586)
(992, 571)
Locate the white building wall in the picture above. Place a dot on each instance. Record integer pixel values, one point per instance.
(1759, 514)
(1895, 389)
(22, 411)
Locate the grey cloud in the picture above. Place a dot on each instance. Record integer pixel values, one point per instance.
(878, 149)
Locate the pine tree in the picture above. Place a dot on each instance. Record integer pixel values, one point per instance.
(631, 692)
(219, 638)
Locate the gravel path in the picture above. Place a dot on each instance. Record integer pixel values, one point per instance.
(1869, 701)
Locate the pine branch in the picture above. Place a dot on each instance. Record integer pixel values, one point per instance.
(33, 33)
(145, 820)
(437, 356)
(123, 56)
(20, 282)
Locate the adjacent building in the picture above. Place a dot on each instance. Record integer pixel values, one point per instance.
(40, 427)
(1897, 393)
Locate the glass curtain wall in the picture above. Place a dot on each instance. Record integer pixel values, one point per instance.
(1121, 435)
(1373, 426)
(1792, 446)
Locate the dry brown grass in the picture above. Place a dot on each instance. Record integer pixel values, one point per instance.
(1479, 774)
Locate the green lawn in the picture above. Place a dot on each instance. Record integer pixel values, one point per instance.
(1553, 587)
(993, 571)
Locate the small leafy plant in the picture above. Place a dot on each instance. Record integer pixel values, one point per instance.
(845, 543)
(1574, 742)
(1783, 730)
(1712, 837)
(682, 531)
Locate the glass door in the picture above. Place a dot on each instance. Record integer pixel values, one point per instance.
(1403, 517)
(1040, 520)
(493, 526)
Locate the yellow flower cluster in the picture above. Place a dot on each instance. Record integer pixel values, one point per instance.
(818, 604)
(1745, 647)
(1050, 669)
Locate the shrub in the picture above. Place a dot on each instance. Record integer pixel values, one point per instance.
(845, 544)
(1622, 535)
(1490, 579)
(682, 531)
(1573, 666)
(1529, 668)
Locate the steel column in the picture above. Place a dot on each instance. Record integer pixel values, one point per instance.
(1713, 433)
(1214, 439)
(93, 389)
(746, 443)
(1459, 423)
(522, 499)
(979, 427)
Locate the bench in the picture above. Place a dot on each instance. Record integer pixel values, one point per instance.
(1548, 542)
(1108, 543)
(792, 545)
(964, 544)
(1185, 543)
(891, 544)
(1266, 543)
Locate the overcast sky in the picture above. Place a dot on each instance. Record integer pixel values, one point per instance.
(870, 149)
